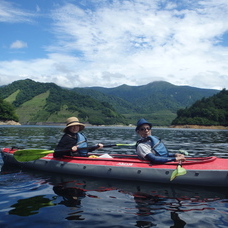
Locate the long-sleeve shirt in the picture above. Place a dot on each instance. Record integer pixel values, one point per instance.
(65, 145)
(145, 152)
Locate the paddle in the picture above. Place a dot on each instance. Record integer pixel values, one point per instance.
(178, 171)
(34, 154)
(183, 152)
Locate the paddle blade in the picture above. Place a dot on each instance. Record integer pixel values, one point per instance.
(181, 170)
(174, 174)
(30, 154)
(183, 152)
(178, 172)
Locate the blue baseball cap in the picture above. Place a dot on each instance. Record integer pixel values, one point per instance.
(141, 122)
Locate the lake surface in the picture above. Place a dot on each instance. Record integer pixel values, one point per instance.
(31, 198)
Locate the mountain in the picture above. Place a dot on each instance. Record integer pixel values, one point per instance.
(121, 105)
(207, 111)
(48, 103)
(158, 95)
(158, 101)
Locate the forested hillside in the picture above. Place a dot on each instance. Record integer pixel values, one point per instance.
(7, 111)
(158, 95)
(44, 103)
(49, 103)
(207, 111)
(120, 105)
(157, 101)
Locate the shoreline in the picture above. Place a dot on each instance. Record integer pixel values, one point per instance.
(187, 126)
(9, 122)
(199, 127)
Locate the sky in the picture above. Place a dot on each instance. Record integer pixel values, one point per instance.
(107, 43)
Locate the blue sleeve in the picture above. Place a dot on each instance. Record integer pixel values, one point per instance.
(171, 155)
(158, 159)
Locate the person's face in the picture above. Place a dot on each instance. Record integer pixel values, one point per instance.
(74, 129)
(144, 130)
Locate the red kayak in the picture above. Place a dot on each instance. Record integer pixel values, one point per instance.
(202, 171)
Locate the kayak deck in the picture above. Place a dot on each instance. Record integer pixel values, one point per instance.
(213, 163)
(205, 171)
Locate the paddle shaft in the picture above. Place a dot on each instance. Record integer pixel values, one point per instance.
(97, 146)
(34, 154)
(94, 147)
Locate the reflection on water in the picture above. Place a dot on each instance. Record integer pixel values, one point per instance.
(139, 203)
(53, 200)
(29, 206)
(71, 198)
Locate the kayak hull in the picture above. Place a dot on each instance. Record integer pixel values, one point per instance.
(210, 171)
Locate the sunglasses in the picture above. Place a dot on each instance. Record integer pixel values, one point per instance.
(145, 128)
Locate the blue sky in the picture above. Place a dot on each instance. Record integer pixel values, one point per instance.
(83, 43)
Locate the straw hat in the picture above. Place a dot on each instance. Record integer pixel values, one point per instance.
(73, 121)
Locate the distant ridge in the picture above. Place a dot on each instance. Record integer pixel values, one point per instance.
(37, 102)
(158, 102)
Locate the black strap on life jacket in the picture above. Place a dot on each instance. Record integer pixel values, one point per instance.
(146, 140)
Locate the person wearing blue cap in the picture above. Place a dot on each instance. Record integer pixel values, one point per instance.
(151, 148)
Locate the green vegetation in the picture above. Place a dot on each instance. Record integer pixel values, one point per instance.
(34, 110)
(7, 111)
(210, 111)
(47, 102)
(158, 102)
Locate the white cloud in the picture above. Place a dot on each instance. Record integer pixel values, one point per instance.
(18, 44)
(37, 8)
(139, 41)
(11, 14)
(133, 42)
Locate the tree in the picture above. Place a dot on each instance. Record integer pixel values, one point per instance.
(7, 111)
(207, 111)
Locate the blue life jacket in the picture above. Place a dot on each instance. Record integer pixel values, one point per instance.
(156, 145)
(82, 142)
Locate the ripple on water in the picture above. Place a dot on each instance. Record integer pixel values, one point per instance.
(49, 200)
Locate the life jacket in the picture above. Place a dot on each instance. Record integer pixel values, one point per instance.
(82, 142)
(156, 145)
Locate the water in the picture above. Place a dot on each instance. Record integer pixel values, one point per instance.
(35, 199)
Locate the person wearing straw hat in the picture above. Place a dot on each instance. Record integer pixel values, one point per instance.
(73, 140)
(151, 148)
